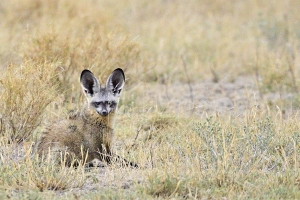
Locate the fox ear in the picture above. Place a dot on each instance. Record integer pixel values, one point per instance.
(116, 81)
(89, 82)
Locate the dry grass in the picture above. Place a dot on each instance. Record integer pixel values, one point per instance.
(209, 111)
(26, 91)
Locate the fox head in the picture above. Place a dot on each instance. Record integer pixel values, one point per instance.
(104, 100)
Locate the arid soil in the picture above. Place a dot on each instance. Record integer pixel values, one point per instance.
(224, 97)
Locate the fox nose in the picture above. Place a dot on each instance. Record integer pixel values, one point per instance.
(104, 113)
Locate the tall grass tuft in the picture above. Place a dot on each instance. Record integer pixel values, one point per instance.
(26, 91)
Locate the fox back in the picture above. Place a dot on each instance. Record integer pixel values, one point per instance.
(87, 136)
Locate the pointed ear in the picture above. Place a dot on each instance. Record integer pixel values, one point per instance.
(89, 83)
(116, 81)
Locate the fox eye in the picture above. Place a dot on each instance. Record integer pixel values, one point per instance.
(108, 103)
(96, 103)
(116, 91)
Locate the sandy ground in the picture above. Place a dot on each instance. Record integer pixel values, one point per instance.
(225, 97)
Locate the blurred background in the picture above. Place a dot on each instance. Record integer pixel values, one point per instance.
(164, 43)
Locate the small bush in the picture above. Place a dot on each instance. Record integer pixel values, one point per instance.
(26, 91)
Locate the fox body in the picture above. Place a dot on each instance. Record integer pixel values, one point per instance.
(88, 135)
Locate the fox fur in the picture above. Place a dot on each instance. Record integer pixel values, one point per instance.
(88, 135)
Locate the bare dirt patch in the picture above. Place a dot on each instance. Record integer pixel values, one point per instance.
(208, 97)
